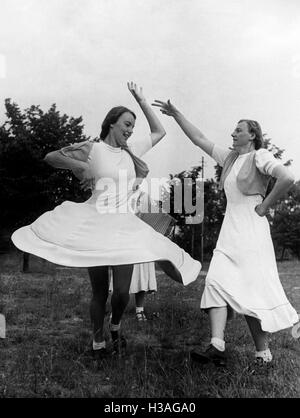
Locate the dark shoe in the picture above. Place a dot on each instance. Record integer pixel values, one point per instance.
(211, 355)
(119, 344)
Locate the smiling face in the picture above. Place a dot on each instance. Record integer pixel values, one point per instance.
(122, 129)
(242, 138)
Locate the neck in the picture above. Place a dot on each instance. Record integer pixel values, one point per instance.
(112, 141)
(245, 149)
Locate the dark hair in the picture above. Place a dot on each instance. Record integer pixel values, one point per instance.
(112, 117)
(254, 128)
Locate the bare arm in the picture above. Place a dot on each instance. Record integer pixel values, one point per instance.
(79, 168)
(156, 128)
(284, 181)
(57, 160)
(191, 131)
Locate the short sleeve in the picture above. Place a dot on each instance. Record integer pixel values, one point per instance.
(78, 151)
(219, 154)
(139, 147)
(265, 161)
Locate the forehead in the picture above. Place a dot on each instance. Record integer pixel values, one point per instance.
(127, 117)
(243, 126)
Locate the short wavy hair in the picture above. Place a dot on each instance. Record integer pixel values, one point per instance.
(254, 128)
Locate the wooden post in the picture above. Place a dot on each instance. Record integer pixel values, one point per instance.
(202, 223)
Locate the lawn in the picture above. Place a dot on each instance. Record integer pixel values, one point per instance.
(46, 351)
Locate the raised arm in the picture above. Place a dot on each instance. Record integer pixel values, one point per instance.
(191, 131)
(285, 180)
(156, 128)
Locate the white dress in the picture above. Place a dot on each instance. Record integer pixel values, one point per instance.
(143, 278)
(243, 272)
(104, 230)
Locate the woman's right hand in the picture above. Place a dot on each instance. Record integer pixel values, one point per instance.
(87, 179)
(167, 108)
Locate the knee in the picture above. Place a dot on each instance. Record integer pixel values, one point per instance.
(120, 295)
(100, 296)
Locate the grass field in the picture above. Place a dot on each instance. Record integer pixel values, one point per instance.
(46, 351)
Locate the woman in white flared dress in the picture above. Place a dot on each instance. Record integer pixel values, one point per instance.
(243, 273)
(105, 231)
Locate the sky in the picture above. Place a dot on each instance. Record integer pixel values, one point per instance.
(217, 60)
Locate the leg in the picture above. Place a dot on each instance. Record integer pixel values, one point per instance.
(99, 282)
(139, 299)
(217, 319)
(260, 338)
(120, 296)
(216, 351)
(139, 306)
(119, 300)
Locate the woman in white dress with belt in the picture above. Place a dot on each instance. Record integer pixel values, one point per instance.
(105, 231)
(243, 273)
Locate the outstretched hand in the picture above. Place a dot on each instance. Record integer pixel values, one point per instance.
(136, 91)
(167, 108)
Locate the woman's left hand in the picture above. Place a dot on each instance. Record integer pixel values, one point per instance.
(260, 210)
(136, 91)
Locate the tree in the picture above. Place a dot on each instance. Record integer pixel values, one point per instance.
(29, 186)
(173, 200)
(285, 223)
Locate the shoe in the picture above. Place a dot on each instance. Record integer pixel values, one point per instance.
(211, 355)
(119, 344)
(141, 316)
(259, 361)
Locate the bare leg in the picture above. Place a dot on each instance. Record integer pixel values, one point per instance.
(99, 281)
(216, 350)
(259, 336)
(218, 318)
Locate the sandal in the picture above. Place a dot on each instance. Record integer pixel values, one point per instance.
(141, 316)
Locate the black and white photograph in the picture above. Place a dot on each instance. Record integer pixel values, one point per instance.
(150, 202)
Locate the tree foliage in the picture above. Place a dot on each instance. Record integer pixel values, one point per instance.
(285, 223)
(29, 186)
